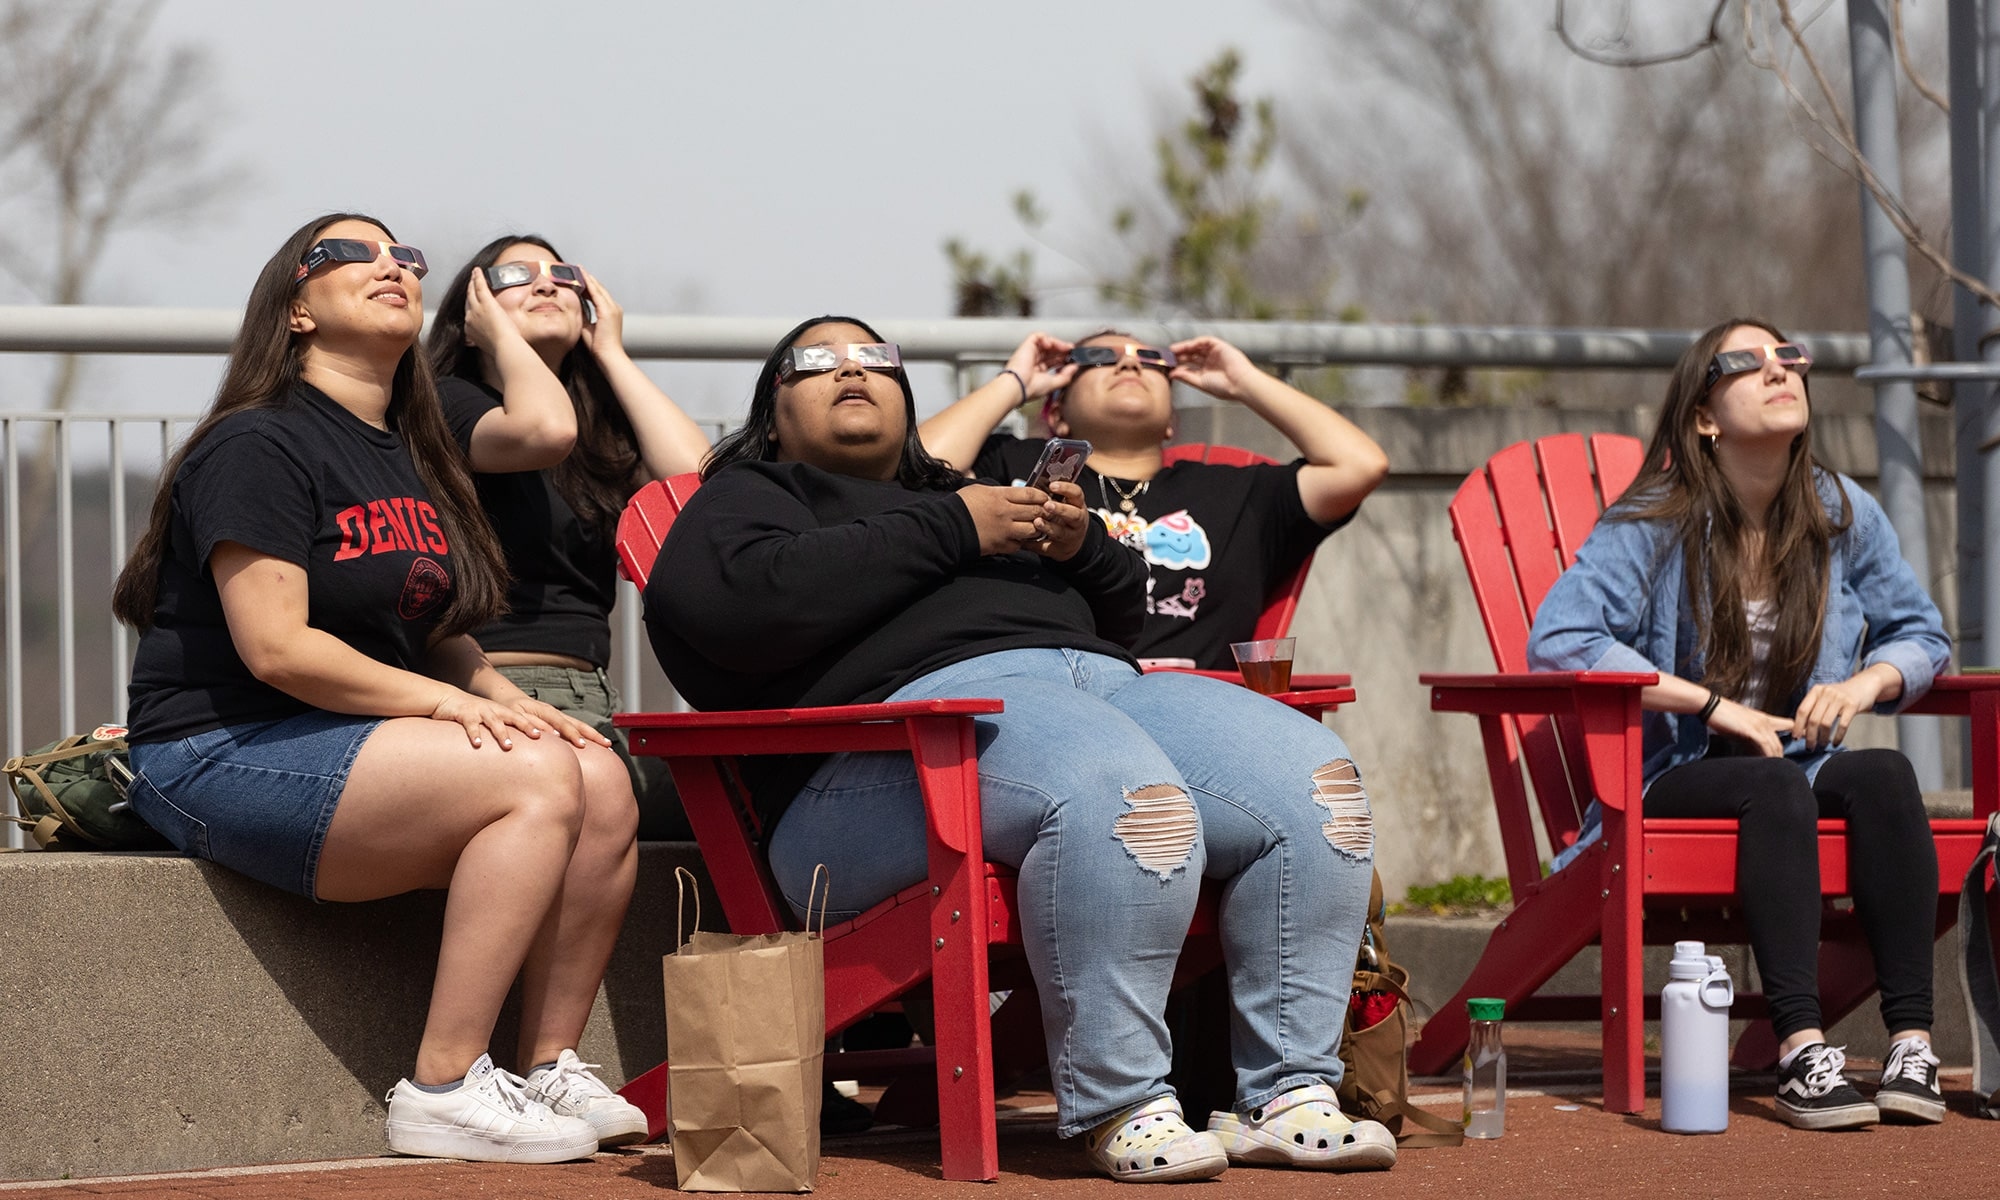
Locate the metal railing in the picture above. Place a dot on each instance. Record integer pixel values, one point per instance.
(962, 343)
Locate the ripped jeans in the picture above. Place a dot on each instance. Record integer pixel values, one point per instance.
(1113, 793)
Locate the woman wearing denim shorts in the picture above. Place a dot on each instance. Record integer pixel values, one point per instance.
(827, 559)
(561, 427)
(307, 707)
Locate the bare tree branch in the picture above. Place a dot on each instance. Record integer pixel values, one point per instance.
(1710, 39)
(1856, 165)
(1903, 56)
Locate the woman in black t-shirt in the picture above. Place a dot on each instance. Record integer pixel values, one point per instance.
(1217, 539)
(827, 559)
(308, 708)
(561, 427)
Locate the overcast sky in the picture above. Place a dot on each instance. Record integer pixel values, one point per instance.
(756, 159)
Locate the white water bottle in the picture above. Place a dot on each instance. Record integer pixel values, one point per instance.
(1694, 1042)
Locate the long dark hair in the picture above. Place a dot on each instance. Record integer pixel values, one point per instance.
(1681, 482)
(752, 443)
(265, 364)
(595, 478)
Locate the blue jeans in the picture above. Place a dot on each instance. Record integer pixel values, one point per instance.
(1113, 793)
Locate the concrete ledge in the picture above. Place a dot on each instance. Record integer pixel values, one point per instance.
(164, 1014)
(1441, 952)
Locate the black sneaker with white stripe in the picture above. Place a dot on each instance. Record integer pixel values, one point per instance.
(1812, 1093)
(1909, 1094)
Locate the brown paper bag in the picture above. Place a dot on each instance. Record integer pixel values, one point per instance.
(746, 1039)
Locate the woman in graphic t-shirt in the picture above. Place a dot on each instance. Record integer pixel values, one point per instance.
(1217, 539)
(561, 426)
(308, 708)
(827, 559)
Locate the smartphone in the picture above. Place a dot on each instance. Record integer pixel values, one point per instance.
(1063, 459)
(589, 312)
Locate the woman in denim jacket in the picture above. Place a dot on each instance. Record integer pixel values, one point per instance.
(1770, 596)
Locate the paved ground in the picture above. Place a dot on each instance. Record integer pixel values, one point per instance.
(1559, 1141)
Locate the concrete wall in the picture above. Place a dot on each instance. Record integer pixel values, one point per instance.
(162, 1014)
(1388, 599)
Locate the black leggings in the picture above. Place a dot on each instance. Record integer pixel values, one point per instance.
(1891, 869)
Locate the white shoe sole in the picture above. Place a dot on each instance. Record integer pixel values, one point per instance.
(1902, 1108)
(1849, 1116)
(1207, 1166)
(451, 1141)
(623, 1131)
(1254, 1147)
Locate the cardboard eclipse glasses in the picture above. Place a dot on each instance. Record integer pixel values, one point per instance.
(357, 250)
(502, 276)
(811, 360)
(1735, 362)
(1156, 357)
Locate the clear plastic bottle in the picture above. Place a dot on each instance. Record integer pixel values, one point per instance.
(1485, 1070)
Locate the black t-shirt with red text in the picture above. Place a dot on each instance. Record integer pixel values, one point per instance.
(563, 574)
(308, 482)
(1217, 540)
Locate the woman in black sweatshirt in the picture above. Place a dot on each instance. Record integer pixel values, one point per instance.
(828, 559)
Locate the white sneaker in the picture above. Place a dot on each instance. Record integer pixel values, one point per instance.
(489, 1117)
(570, 1089)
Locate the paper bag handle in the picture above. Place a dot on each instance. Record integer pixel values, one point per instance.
(682, 879)
(825, 894)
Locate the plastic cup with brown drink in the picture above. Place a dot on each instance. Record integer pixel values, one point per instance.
(1266, 664)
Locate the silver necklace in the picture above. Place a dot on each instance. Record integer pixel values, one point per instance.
(1126, 500)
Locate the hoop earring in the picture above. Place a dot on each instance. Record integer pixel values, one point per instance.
(1714, 439)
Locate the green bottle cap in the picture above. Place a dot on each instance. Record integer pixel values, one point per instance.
(1486, 1008)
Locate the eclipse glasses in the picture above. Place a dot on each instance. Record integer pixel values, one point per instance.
(354, 250)
(1156, 357)
(502, 276)
(1735, 362)
(811, 360)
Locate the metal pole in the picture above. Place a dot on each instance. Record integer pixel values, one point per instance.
(1987, 229)
(1898, 445)
(1972, 418)
(15, 723)
(121, 645)
(65, 578)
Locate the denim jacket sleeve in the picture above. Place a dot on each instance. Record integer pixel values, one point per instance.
(1903, 625)
(1595, 617)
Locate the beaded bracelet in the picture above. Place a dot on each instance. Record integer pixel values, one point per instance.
(1017, 379)
(1708, 710)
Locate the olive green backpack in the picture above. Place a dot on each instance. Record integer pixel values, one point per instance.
(71, 795)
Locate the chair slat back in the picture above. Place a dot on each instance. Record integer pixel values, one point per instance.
(1283, 602)
(643, 526)
(1519, 522)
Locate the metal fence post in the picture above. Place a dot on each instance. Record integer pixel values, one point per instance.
(1972, 417)
(1898, 443)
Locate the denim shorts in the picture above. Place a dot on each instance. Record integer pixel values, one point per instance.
(256, 797)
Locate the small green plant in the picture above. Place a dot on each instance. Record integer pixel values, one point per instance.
(1459, 894)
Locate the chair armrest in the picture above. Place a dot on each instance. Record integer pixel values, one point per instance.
(791, 730)
(830, 715)
(1977, 697)
(1300, 683)
(1529, 691)
(1952, 695)
(1605, 705)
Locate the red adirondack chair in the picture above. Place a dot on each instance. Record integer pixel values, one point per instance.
(1519, 522)
(941, 929)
